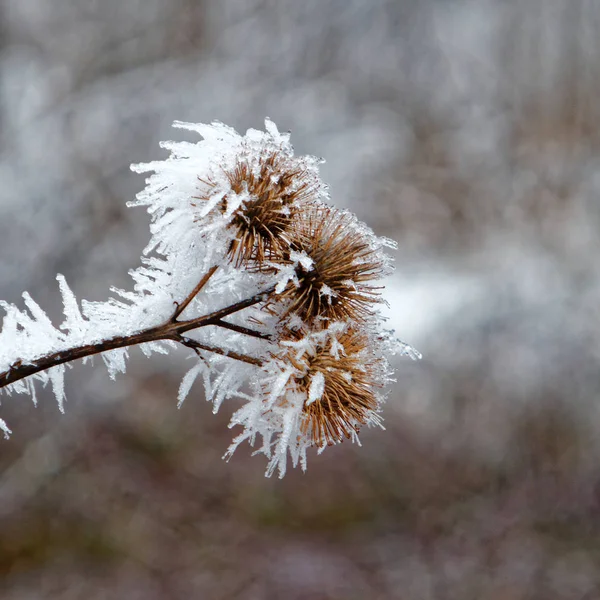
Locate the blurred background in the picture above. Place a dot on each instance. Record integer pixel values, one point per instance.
(469, 131)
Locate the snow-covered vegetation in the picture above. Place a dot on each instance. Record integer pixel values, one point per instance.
(239, 228)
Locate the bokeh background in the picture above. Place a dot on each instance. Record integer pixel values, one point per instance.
(468, 130)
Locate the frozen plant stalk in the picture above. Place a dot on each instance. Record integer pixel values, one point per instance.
(275, 292)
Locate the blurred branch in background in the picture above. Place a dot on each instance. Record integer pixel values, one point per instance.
(468, 131)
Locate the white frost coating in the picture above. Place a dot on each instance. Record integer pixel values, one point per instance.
(74, 322)
(278, 385)
(31, 390)
(287, 273)
(39, 316)
(302, 259)
(337, 349)
(316, 389)
(5, 430)
(290, 419)
(327, 292)
(192, 206)
(115, 361)
(187, 382)
(57, 380)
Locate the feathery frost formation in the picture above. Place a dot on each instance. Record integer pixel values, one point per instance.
(275, 291)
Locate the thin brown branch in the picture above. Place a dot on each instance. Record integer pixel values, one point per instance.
(20, 371)
(167, 331)
(181, 307)
(244, 330)
(215, 317)
(195, 345)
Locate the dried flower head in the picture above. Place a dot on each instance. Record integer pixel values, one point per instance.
(336, 260)
(339, 378)
(263, 192)
(318, 389)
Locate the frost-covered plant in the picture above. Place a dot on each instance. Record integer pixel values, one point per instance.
(275, 292)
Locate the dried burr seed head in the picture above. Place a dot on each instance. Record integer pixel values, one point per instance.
(335, 284)
(275, 187)
(348, 372)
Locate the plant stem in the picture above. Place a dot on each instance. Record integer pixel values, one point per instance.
(170, 330)
(196, 345)
(181, 307)
(244, 330)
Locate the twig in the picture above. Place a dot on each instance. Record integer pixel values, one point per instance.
(215, 317)
(244, 330)
(181, 307)
(195, 345)
(171, 330)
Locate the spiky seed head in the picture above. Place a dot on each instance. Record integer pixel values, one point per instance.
(334, 282)
(273, 187)
(339, 377)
